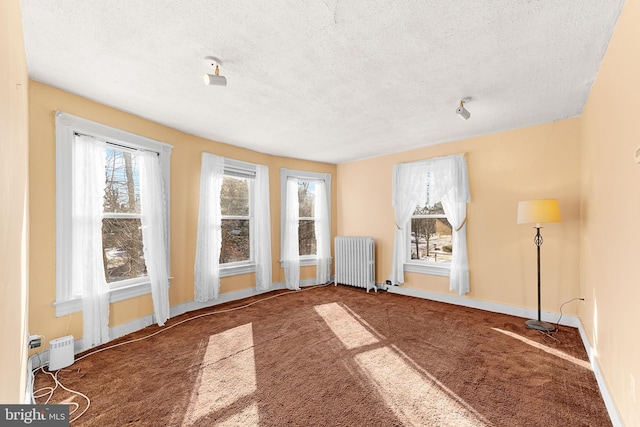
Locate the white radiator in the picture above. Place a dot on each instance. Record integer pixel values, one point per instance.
(61, 353)
(355, 262)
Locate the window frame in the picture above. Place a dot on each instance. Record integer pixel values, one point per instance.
(238, 168)
(305, 260)
(67, 126)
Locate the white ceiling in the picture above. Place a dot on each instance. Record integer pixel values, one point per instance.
(331, 81)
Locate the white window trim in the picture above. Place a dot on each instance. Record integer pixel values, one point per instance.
(305, 260)
(248, 170)
(67, 126)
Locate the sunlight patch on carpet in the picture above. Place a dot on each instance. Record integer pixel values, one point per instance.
(247, 417)
(348, 330)
(414, 399)
(227, 374)
(553, 351)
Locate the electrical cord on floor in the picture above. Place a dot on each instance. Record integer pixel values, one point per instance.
(562, 305)
(49, 391)
(548, 334)
(42, 392)
(197, 317)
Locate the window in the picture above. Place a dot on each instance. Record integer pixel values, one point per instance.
(430, 236)
(236, 209)
(236, 219)
(430, 199)
(124, 264)
(306, 225)
(121, 227)
(307, 210)
(234, 224)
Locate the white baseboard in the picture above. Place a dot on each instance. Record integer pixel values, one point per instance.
(485, 305)
(571, 321)
(602, 385)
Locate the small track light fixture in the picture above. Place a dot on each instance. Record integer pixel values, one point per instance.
(214, 79)
(463, 112)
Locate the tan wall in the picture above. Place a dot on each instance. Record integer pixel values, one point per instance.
(535, 162)
(610, 214)
(185, 182)
(14, 217)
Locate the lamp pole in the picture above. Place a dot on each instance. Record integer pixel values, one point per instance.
(539, 324)
(538, 241)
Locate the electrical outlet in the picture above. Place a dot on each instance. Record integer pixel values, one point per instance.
(35, 341)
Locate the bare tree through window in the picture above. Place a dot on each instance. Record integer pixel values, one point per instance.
(430, 234)
(122, 253)
(235, 207)
(306, 225)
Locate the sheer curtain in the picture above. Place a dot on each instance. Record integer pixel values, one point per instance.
(153, 220)
(209, 240)
(87, 270)
(409, 190)
(449, 184)
(323, 234)
(452, 189)
(291, 250)
(262, 225)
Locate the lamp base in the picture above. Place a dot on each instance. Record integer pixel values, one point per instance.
(540, 326)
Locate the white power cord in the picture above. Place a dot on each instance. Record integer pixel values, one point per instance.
(42, 392)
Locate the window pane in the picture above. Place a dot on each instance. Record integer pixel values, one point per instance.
(307, 237)
(234, 196)
(122, 249)
(431, 239)
(122, 182)
(306, 197)
(235, 241)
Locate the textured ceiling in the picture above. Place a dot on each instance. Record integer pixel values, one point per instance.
(331, 81)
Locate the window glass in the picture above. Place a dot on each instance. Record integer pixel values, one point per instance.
(306, 225)
(122, 182)
(122, 252)
(235, 208)
(430, 235)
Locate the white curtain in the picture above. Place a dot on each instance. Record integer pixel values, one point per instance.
(449, 184)
(262, 228)
(323, 234)
(153, 220)
(451, 187)
(409, 190)
(87, 270)
(209, 240)
(291, 250)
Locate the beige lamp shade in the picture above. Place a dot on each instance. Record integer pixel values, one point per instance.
(538, 211)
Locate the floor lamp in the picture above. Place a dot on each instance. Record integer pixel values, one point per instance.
(538, 212)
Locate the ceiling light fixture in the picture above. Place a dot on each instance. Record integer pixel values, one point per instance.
(214, 79)
(463, 112)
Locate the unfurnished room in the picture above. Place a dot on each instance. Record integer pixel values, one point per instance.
(322, 213)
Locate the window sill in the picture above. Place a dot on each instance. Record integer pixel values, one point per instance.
(234, 269)
(64, 308)
(305, 261)
(428, 268)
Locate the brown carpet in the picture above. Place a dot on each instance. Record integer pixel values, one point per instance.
(337, 356)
